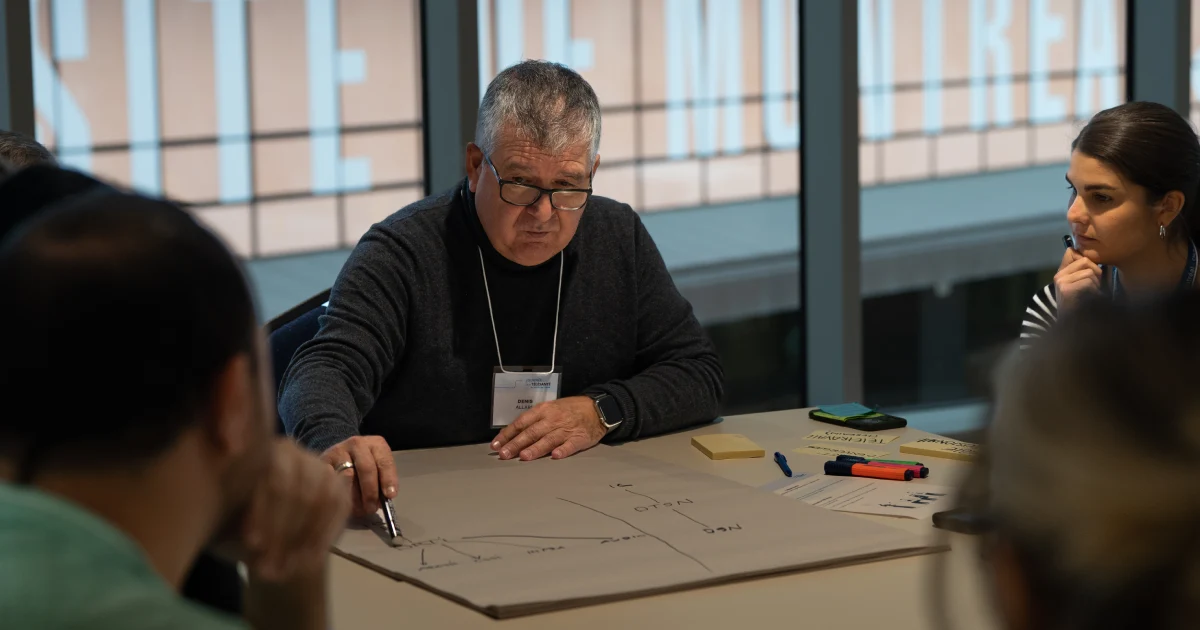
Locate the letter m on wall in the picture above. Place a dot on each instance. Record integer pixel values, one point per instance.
(703, 49)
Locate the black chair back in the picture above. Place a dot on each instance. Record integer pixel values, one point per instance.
(279, 321)
(286, 333)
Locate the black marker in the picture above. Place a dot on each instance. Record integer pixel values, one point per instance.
(389, 518)
(1069, 242)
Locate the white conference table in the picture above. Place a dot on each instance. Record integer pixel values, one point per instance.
(892, 593)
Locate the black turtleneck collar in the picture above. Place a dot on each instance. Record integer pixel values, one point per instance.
(493, 257)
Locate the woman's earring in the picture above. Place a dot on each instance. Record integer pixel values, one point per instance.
(1162, 232)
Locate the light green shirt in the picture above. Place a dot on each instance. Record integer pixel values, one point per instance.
(64, 567)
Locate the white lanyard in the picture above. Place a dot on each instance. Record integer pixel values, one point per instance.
(492, 316)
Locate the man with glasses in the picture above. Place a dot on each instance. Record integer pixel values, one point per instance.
(516, 308)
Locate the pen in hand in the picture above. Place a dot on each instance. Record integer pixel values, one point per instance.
(389, 518)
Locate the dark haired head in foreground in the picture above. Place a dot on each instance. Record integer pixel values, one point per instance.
(24, 192)
(212, 581)
(139, 428)
(149, 305)
(1090, 480)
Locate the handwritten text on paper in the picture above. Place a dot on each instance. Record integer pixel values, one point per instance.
(942, 447)
(852, 438)
(864, 496)
(833, 450)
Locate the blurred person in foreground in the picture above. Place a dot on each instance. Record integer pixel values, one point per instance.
(36, 185)
(452, 304)
(41, 183)
(1089, 485)
(138, 430)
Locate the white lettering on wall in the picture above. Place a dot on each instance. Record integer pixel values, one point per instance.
(328, 69)
(1097, 60)
(704, 63)
(231, 76)
(876, 68)
(931, 58)
(1195, 74)
(1045, 28)
(781, 54)
(55, 103)
(559, 45)
(510, 38)
(989, 41)
(141, 90)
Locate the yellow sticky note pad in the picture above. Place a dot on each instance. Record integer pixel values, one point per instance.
(727, 446)
(833, 450)
(942, 447)
(859, 437)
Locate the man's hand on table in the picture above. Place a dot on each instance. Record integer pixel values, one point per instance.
(373, 470)
(559, 428)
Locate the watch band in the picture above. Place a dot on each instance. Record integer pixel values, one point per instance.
(608, 410)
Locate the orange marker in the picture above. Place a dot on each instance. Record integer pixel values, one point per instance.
(849, 469)
(917, 471)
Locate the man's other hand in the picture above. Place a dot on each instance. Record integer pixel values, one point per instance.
(559, 428)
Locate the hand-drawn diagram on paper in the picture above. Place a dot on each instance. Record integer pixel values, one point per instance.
(510, 538)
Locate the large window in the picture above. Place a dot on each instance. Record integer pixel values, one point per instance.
(968, 111)
(1195, 73)
(288, 125)
(957, 87)
(700, 98)
(701, 135)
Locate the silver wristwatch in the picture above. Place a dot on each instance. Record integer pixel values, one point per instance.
(608, 410)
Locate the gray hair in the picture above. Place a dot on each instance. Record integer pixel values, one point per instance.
(546, 103)
(20, 150)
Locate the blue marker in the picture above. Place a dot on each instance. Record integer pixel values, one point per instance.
(783, 465)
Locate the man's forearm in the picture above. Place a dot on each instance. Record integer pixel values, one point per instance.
(667, 396)
(317, 407)
(318, 432)
(334, 379)
(680, 382)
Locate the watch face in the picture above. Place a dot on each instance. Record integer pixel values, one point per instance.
(610, 412)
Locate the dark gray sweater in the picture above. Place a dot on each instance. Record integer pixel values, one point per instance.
(406, 350)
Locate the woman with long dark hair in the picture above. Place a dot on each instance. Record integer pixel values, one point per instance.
(1133, 178)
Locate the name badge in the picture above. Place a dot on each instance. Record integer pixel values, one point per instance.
(518, 390)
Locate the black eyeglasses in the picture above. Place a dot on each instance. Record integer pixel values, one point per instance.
(519, 194)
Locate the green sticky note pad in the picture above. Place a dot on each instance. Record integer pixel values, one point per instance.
(846, 410)
(856, 416)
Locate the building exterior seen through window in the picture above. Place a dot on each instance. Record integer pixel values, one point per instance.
(289, 125)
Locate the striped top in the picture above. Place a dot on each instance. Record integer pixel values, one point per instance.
(1042, 310)
(1040, 315)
